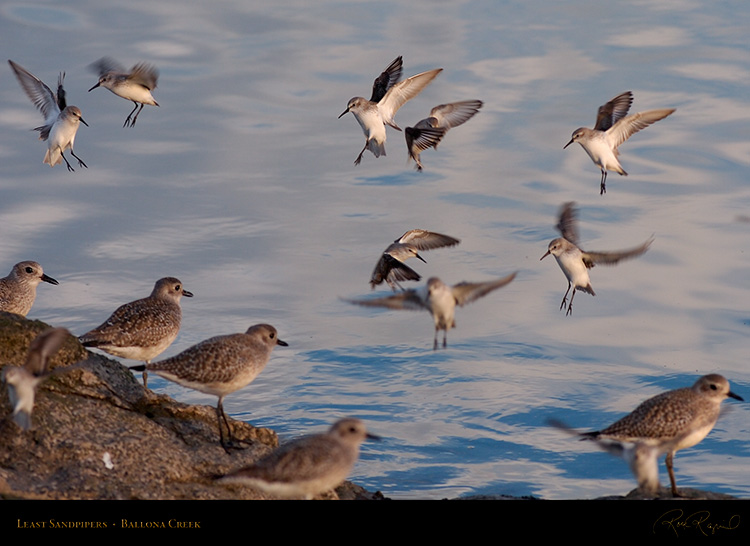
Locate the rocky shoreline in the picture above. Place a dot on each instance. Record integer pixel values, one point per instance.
(99, 435)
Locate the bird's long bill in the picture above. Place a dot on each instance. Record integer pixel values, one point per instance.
(569, 143)
(344, 112)
(420, 257)
(545, 255)
(48, 279)
(282, 343)
(370, 436)
(97, 85)
(735, 396)
(82, 121)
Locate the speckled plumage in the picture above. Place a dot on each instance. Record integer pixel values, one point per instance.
(220, 365)
(307, 466)
(18, 289)
(142, 329)
(686, 414)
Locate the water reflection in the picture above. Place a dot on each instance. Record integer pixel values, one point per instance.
(241, 185)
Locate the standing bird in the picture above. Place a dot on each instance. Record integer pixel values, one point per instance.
(307, 466)
(23, 380)
(61, 122)
(612, 129)
(575, 262)
(388, 95)
(142, 329)
(439, 300)
(391, 267)
(135, 85)
(18, 289)
(684, 415)
(219, 366)
(430, 131)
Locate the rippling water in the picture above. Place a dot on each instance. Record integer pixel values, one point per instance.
(242, 185)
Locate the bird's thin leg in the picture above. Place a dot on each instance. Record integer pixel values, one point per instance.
(603, 186)
(132, 123)
(570, 306)
(565, 297)
(435, 342)
(145, 376)
(127, 119)
(71, 169)
(670, 469)
(445, 338)
(359, 157)
(80, 161)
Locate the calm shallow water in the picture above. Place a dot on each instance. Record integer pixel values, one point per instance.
(242, 185)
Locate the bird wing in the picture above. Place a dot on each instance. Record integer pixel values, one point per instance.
(41, 95)
(422, 239)
(42, 348)
(423, 138)
(455, 113)
(610, 113)
(623, 129)
(144, 74)
(466, 292)
(611, 258)
(402, 92)
(567, 224)
(387, 79)
(106, 65)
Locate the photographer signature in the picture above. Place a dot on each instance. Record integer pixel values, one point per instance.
(674, 521)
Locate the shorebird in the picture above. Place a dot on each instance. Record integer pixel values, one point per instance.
(439, 300)
(18, 289)
(307, 466)
(388, 95)
(142, 329)
(613, 128)
(23, 380)
(429, 132)
(135, 86)
(683, 417)
(575, 262)
(219, 366)
(61, 122)
(391, 267)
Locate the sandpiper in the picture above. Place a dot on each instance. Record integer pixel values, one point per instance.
(307, 466)
(372, 115)
(18, 289)
(23, 380)
(684, 416)
(428, 132)
(219, 366)
(135, 86)
(613, 128)
(61, 122)
(439, 300)
(142, 329)
(391, 267)
(575, 262)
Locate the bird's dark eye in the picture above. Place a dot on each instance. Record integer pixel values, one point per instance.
(29, 270)
(272, 335)
(177, 288)
(713, 387)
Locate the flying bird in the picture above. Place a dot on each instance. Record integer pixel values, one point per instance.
(391, 267)
(388, 95)
(576, 262)
(428, 132)
(61, 121)
(439, 300)
(135, 86)
(613, 127)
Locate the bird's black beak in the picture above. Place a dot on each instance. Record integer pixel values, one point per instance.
(569, 143)
(49, 279)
